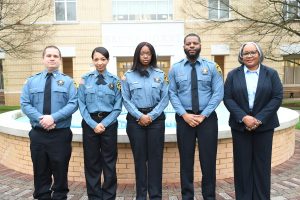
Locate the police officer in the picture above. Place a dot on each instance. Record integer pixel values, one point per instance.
(145, 96)
(100, 104)
(49, 99)
(195, 90)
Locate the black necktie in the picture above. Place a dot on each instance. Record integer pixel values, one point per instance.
(194, 88)
(47, 96)
(100, 80)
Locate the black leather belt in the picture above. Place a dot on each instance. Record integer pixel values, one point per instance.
(100, 114)
(192, 112)
(145, 110)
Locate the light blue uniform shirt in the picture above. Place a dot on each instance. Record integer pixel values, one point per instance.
(145, 92)
(210, 86)
(63, 98)
(251, 82)
(95, 98)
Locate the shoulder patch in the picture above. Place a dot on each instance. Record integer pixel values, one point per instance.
(166, 79)
(118, 85)
(218, 68)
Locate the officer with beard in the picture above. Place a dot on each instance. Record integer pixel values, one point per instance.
(195, 89)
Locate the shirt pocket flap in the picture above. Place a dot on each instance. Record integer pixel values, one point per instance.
(204, 78)
(155, 85)
(90, 91)
(35, 90)
(181, 78)
(60, 89)
(134, 86)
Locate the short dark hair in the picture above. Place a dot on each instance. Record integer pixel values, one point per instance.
(49, 47)
(136, 58)
(191, 34)
(101, 50)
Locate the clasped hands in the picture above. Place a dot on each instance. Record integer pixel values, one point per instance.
(99, 129)
(192, 119)
(145, 120)
(251, 123)
(47, 122)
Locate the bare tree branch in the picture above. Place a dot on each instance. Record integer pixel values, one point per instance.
(272, 22)
(19, 29)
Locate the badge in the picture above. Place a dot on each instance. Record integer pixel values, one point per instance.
(118, 85)
(219, 68)
(111, 86)
(156, 80)
(204, 70)
(60, 82)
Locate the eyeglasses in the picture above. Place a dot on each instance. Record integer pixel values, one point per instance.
(250, 53)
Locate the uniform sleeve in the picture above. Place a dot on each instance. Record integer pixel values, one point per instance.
(164, 100)
(116, 109)
(71, 106)
(130, 107)
(231, 105)
(26, 105)
(217, 92)
(83, 108)
(173, 94)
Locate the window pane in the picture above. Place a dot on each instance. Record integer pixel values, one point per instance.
(213, 9)
(71, 11)
(224, 9)
(142, 10)
(60, 11)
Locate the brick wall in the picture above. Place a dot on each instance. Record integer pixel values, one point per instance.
(15, 154)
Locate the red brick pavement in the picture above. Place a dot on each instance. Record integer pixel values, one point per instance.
(285, 184)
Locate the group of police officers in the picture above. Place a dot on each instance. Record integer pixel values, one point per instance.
(194, 87)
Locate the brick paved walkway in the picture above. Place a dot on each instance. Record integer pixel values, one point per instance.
(285, 184)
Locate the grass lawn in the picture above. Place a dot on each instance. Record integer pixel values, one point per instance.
(8, 108)
(294, 105)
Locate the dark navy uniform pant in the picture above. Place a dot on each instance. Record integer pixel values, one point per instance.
(252, 152)
(207, 136)
(147, 144)
(100, 155)
(50, 154)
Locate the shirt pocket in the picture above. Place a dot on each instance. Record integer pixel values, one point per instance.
(136, 91)
(36, 95)
(182, 82)
(90, 95)
(60, 95)
(156, 91)
(204, 82)
(110, 95)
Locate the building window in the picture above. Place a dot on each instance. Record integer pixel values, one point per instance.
(125, 63)
(218, 9)
(142, 10)
(65, 10)
(291, 9)
(292, 70)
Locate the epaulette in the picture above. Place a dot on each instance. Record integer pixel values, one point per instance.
(179, 61)
(158, 70)
(86, 75)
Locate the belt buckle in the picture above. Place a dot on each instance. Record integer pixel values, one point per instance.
(99, 115)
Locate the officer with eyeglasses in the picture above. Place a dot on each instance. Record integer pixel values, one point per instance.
(100, 103)
(145, 96)
(253, 94)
